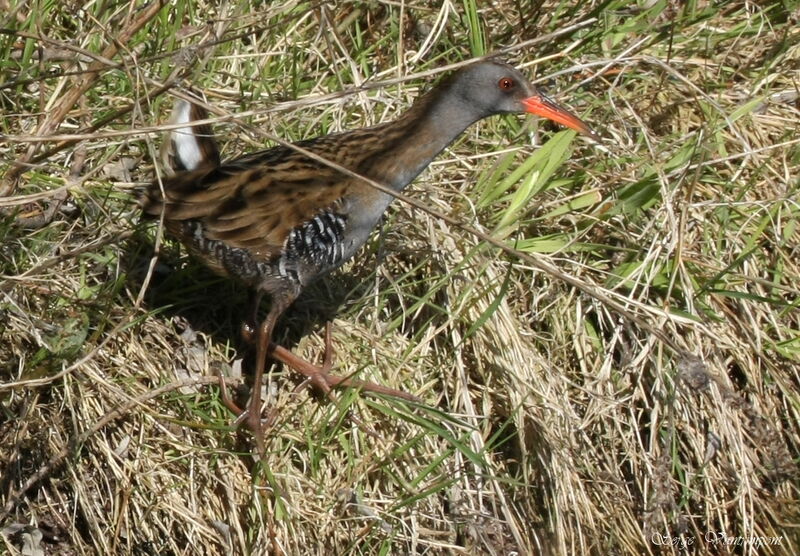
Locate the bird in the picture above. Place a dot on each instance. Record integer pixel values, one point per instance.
(280, 218)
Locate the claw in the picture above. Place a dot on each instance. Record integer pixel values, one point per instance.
(320, 377)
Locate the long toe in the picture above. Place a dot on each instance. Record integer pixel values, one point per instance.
(334, 381)
(325, 381)
(226, 397)
(252, 421)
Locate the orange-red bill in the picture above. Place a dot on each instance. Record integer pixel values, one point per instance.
(546, 108)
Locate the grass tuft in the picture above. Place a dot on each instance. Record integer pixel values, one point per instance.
(621, 378)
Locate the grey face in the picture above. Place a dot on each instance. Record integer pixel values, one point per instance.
(488, 88)
(494, 88)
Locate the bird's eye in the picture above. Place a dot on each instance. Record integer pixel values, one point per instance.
(506, 83)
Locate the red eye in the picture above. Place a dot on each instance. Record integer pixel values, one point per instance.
(506, 83)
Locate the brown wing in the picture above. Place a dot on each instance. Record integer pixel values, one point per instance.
(248, 205)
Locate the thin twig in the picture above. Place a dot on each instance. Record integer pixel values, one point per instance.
(55, 116)
(75, 444)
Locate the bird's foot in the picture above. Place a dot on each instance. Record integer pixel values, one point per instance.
(250, 417)
(321, 377)
(226, 397)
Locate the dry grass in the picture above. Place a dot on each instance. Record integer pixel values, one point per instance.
(622, 379)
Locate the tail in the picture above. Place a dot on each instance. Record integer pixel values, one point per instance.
(188, 153)
(191, 147)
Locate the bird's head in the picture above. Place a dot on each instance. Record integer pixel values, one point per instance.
(492, 87)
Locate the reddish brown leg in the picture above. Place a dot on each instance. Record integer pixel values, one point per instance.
(252, 415)
(226, 397)
(320, 377)
(249, 326)
(327, 361)
(249, 333)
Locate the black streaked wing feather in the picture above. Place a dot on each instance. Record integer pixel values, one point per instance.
(253, 208)
(255, 201)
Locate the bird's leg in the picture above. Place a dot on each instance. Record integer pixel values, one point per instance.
(251, 416)
(327, 361)
(319, 376)
(249, 332)
(249, 326)
(320, 379)
(226, 397)
(253, 412)
(324, 381)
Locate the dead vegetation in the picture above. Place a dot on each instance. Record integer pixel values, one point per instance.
(621, 379)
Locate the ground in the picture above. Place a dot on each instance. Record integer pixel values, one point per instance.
(604, 336)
